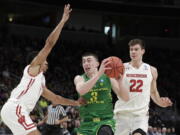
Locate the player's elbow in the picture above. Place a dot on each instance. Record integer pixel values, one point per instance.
(80, 90)
(154, 95)
(124, 94)
(126, 98)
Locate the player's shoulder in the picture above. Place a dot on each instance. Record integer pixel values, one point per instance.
(28, 74)
(78, 78)
(154, 72)
(146, 66)
(153, 68)
(26, 68)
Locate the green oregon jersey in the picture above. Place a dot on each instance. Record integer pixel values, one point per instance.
(99, 108)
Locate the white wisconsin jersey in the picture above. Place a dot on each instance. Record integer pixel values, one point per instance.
(138, 82)
(29, 90)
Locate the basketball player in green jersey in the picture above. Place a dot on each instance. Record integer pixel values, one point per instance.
(95, 87)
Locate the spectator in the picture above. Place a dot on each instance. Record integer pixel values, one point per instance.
(150, 130)
(164, 130)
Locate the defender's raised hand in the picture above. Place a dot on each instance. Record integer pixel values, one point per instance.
(66, 14)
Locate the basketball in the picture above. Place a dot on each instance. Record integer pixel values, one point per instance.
(117, 67)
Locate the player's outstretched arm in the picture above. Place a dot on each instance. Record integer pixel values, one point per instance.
(161, 101)
(56, 99)
(51, 40)
(84, 87)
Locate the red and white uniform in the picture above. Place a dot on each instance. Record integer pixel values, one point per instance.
(133, 114)
(15, 112)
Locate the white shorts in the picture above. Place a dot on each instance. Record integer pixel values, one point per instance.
(126, 124)
(17, 118)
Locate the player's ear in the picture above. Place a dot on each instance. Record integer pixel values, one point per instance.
(143, 51)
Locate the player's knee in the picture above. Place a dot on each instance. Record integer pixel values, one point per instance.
(138, 132)
(105, 130)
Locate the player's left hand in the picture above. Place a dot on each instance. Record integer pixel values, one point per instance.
(104, 66)
(165, 102)
(82, 101)
(66, 14)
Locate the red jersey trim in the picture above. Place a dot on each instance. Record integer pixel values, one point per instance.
(28, 86)
(22, 120)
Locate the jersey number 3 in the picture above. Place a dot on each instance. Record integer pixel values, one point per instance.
(136, 85)
(94, 97)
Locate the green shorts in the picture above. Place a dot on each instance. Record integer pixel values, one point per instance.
(91, 128)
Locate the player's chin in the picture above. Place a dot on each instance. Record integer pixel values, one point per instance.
(45, 70)
(134, 58)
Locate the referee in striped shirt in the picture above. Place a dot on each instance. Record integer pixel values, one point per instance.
(55, 116)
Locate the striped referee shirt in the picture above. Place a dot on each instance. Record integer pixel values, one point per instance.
(55, 113)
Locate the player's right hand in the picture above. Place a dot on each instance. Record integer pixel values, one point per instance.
(66, 14)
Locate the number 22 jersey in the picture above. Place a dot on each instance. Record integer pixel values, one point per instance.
(138, 82)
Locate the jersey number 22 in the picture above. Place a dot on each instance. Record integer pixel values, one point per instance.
(136, 85)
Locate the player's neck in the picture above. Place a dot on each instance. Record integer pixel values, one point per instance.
(136, 64)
